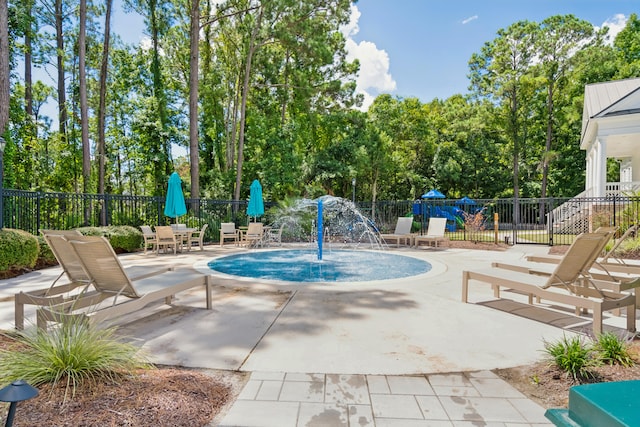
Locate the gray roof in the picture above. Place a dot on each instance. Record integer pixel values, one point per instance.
(601, 99)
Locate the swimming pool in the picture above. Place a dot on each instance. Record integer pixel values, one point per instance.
(302, 265)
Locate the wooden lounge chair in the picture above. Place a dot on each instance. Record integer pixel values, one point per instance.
(111, 282)
(402, 232)
(228, 231)
(565, 285)
(435, 233)
(77, 287)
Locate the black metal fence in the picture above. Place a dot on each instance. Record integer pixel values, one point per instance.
(548, 221)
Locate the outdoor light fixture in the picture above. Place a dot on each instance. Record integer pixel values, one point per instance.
(3, 143)
(353, 183)
(16, 392)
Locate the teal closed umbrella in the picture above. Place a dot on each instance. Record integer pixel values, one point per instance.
(255, 207)
(174, 204)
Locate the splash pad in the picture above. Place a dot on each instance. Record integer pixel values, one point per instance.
(342, 245)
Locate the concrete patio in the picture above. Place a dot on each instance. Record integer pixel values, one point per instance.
(387, 353)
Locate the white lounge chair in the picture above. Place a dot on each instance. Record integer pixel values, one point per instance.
(608, 262)
(435, 233)
(402, 232)
(565, 285)
(111, 282)
(78, 287)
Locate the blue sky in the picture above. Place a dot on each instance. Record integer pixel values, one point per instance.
(428, 43)
(420, 48)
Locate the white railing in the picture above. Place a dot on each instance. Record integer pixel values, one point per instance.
(622, 188)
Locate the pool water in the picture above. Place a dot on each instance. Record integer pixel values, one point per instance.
(335, 266)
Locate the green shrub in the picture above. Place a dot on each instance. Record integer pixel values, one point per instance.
(613, 350)
(573, 356)
(91, 231)
(72, 354)
(45, 256)
(629, 248)
(18, 249)
(123, 238)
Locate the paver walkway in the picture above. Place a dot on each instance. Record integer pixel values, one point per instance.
(275, 399)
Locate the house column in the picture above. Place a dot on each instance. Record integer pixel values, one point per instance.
(601, 167)
(590, 183)
(635, 168)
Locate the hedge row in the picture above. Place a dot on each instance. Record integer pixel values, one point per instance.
(20, 249)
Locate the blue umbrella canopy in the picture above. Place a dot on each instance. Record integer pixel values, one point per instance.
(433, 194)
(465, 201)
(174, 204)
(256, 204)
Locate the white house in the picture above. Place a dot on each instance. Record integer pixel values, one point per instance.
(611, 129)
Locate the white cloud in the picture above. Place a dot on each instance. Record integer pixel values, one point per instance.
(469, 19)
(374, 77)
(616, 23)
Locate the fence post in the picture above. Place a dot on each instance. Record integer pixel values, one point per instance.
(107, 214)
(38, 219)
(550, 222)
(158, 200)
(495, 227)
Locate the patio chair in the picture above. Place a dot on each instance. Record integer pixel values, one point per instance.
(435, 233)
(78, 281)
(606, 259)
(197, 237)
(402, 232)
(605, 263)
(273, 236)
(228, 231)
(254, 235)
(606, 280)
(565, 285)
(111, 282)
(165, 238)
(149, 238)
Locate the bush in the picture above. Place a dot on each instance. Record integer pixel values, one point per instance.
(613, 350)
(71, 354)
(573, 356)
(45, 256)
(18, 249)
(123, 238)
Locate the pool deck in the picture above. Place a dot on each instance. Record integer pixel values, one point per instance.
(399, 352)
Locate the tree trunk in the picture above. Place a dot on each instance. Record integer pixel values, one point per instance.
(4, 67)
(194, 154)
(243, 104)
(84, 108)
(547, 147)
(104, 67)
(62, 98)
(28, 80)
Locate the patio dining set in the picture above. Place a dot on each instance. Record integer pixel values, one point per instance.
(256, 234)
(176, 238)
